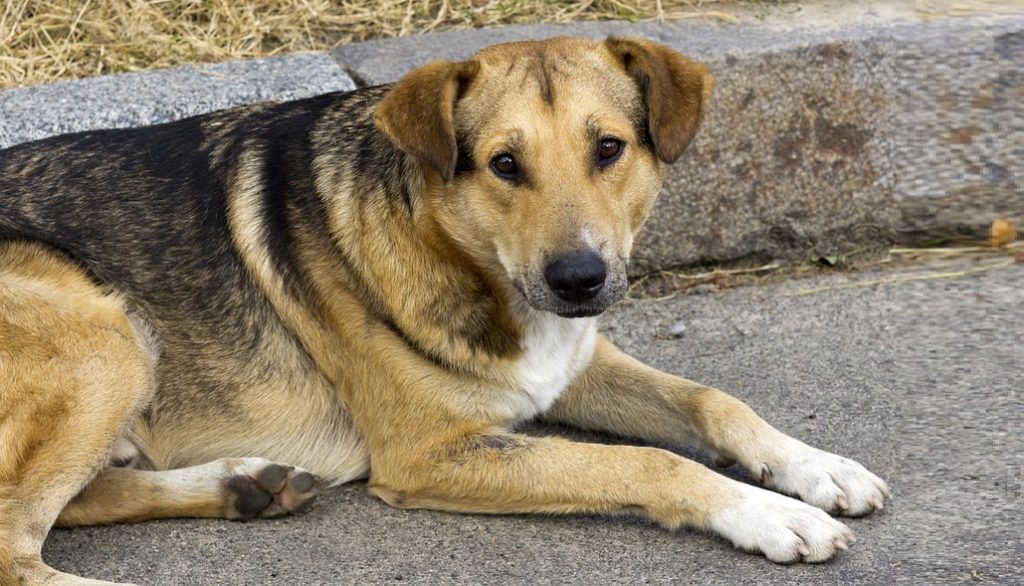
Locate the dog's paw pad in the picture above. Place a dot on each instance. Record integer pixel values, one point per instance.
(258, 488)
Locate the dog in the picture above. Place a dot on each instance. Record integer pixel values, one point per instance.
(217, 316)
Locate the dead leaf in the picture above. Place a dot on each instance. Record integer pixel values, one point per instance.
(1002, 233)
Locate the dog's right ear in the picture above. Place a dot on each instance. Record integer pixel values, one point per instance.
(676, 91)
(418, 114)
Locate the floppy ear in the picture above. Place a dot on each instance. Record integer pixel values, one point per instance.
(676, 91)
(418, 114)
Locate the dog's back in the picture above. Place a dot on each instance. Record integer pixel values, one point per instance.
(145, 213)
(130, 204)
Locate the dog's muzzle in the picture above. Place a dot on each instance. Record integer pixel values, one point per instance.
(574, 284)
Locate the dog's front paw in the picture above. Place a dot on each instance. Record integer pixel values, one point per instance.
(785, 530)
(833, 483)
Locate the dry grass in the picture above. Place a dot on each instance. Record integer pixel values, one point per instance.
(47, 40)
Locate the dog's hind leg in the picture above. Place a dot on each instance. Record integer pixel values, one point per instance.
(73, 370)
(230, 488)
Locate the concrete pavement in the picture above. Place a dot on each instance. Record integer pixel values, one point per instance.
(919, 381)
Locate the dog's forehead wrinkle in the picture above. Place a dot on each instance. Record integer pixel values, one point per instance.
(543, 77)
(557, 72)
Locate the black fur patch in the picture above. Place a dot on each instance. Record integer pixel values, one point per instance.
(287, 164)
(641, 116)
(464, 163)
(376, 157)
(502, 443)
(476, 320)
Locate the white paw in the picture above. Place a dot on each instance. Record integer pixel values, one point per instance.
(833, 483)
(783, 529)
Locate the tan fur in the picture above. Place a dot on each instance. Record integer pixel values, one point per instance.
(73, 369)
(419, 334)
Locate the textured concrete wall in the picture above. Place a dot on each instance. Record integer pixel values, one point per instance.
(817, 141)
(957, 126)
(786, 164)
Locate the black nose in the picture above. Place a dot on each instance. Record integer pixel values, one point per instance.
(577, 276)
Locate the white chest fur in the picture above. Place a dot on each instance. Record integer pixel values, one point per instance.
(555, 351)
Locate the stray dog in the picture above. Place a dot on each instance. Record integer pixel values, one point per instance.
(198, 317)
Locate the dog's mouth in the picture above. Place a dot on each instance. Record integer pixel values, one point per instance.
(581, 312)
(541, 298)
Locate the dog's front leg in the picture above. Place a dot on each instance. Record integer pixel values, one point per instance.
(494, 472)
(620, 395)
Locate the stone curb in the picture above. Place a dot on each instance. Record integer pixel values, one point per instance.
(818, 141)
(162, 95)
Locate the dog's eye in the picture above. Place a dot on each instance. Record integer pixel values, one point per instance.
(504, 166)
(608, 151)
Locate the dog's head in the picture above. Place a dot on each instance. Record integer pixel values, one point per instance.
(545, 157)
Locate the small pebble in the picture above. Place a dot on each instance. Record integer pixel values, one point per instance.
(677, 329)
(703, 289)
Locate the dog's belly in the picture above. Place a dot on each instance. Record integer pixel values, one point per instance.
(270, 402)
(285, 425)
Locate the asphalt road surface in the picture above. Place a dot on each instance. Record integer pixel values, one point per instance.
(918, 380)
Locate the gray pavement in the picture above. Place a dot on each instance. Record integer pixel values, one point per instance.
(920, 381)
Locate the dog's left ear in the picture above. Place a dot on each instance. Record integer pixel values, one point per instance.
(676, 91)
(418, 114)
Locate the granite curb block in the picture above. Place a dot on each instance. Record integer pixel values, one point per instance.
(152, 97)
(818, 141)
